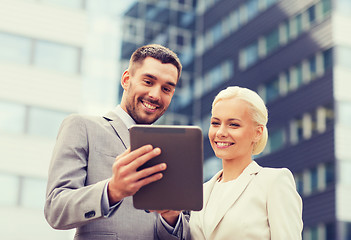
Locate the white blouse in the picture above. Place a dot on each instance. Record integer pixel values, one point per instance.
(215, 201)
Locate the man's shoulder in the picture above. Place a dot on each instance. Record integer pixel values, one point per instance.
(83, 120)
(76, 117)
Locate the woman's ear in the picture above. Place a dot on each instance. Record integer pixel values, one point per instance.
(259, 132)
(125, 79)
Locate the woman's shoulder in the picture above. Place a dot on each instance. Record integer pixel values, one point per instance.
(275, 173)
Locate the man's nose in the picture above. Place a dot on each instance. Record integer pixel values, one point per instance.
(155, 93)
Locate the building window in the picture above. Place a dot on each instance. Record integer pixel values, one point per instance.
(234, 21)
(307, 125)
(344, 113)
(327, 59)
(186, 18)
(276, 140)
(344, 56)
(12, 118)
(15, 49)
(230, 23)
(285, 32)
(217, 33)
(344, 7)
(299, 183)
(217, 75)
(345, 169)
(75, 4)
(295, 131)
(33, 192)
(270, 2)
(249, 55)
(10, 189)
(272, 90)
(251, 9)
(272, 41)
(329, 173)
(58, 57)
(44, 122)
(296, 78)
(311, 14)
(314, 179)
(326, 7)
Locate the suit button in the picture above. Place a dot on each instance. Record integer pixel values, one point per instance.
(89, 214)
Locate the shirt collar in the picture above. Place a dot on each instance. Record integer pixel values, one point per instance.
(126, 119)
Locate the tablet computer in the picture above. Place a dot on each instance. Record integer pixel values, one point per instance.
(182, 151)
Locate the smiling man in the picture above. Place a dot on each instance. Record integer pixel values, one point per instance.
(81, 191)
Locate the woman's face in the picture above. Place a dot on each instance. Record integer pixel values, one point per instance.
(232, 131)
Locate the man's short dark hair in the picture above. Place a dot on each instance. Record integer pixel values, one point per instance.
(159, 52)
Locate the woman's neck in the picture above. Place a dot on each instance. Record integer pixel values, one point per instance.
(233, 168)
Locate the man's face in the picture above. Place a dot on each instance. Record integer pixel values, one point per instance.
(149, 91)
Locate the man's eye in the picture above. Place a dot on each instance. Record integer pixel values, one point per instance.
(147, 82)
(166, 89)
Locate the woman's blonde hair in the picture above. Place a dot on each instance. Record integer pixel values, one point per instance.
(258, 110)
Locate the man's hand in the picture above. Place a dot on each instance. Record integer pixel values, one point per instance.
(126, 180)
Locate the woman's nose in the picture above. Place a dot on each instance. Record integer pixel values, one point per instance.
(222, 131)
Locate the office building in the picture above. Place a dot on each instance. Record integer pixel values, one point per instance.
(56, 56)
(296, 55)
(172, 24)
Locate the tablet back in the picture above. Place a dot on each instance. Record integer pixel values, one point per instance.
(182, 151)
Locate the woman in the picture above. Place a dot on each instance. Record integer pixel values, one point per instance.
(245, 201)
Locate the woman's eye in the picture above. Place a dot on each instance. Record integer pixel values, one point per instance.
(214, 123)
(234, 125)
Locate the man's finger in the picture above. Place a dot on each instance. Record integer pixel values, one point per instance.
(144, 158)
(129, 156)
(144, 173)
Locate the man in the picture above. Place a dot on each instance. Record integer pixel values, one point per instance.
(81, 192)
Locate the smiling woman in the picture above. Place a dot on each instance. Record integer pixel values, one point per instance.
(245, 200)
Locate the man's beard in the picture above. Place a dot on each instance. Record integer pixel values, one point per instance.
(133, 112)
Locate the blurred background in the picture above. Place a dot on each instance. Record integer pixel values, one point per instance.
(65, 56)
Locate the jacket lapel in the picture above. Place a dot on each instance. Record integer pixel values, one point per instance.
(235, 192)
(119, 127)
